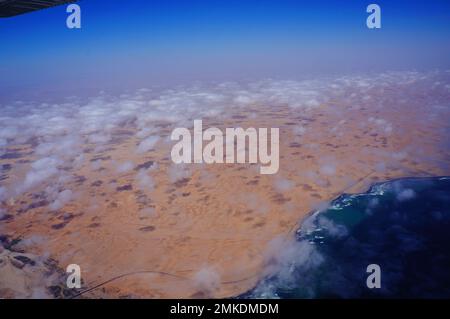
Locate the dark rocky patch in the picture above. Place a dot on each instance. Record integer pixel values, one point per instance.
(6, 167)
(113, 205)
(59, 225)
(163, 125)
(280, 199)
(142, 199)
(14, 155)
(6, 217)
(38, 204)
(127, 187)
(147, 228)
(101, 158)
(97, 183)
(40, 195)
(258, 225)
(182, 182)
(25, 260)
(79, 179)
(145, 165)
(22, 161)
(67, 217)
(253, 182)
(33, 141)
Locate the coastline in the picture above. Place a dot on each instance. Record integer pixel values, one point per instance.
(359, 229)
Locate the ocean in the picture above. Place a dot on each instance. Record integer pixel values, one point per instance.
(403, 226)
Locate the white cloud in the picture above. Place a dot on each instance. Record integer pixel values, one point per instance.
(178, 172)
(41, 170)
(206, 280)
(333, 229)
(144, 180)
(125, 167)
(2, 193)
(147, 144)
(405, 195)
(284, 258)
(62, 199)
(299, 130)
(328, 169)
(283, 185)
(148, 212)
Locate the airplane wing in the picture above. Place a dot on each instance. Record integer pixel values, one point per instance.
(10, 8)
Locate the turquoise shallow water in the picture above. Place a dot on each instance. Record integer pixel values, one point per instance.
(402, 225)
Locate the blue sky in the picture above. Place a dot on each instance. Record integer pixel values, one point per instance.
(138, 42)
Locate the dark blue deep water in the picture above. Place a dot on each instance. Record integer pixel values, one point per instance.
(402, 225)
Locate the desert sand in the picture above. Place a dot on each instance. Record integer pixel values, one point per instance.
(203, 230)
